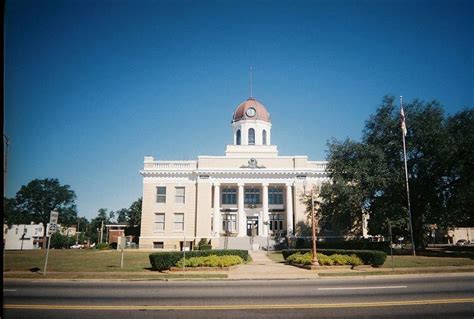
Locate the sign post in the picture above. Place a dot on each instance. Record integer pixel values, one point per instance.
(53, 220)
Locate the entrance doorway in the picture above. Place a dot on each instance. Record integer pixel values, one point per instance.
(252, 224)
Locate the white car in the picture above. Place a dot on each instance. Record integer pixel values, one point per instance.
(77, 246)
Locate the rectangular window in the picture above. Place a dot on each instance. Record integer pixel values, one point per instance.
(275, 195)
(229, 222)
(179, 195)
(276, 222)
(229, 196)
(159, 222)
(252, 196)
(161, 194)
(179, 222)
(158, 245)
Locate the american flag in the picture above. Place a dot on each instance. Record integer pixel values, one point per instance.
(402, 121)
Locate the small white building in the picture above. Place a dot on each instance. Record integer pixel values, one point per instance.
(23, 237)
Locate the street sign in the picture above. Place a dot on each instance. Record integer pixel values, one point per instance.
(51, 229)
(53, 218)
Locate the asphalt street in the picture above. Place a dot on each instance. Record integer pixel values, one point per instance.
(450, 296)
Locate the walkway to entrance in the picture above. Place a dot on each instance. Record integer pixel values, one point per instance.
(261, 267)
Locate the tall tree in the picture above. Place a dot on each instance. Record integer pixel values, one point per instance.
(37, 199)
(134, 219)
(369, 176)
(122, 215)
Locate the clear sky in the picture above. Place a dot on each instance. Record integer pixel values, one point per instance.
(91, 87)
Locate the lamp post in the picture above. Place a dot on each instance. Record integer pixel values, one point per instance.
(314, 257)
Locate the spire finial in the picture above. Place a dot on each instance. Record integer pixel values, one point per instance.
(251, 81)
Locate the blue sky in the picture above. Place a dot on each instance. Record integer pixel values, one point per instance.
(91, 87)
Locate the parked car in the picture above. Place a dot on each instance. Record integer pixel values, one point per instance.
(77, 246)
(462, 242)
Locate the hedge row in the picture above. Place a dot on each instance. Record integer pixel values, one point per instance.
(302, 243)
(210, 261)
(368, 257)
(165, 260)
(324, 260)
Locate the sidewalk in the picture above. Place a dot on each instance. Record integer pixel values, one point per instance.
(261, 267)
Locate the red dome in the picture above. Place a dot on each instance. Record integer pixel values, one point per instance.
(242, 112)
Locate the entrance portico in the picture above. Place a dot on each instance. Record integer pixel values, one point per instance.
(232, 213)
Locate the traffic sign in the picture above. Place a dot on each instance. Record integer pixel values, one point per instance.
(51, 229)
(53, 218)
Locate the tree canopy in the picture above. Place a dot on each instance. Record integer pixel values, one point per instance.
(35, 201)
(368, 176)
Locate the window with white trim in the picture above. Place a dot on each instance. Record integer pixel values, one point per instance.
(252, 195)
(237, 137)
(159, 222)
(229, 195)
(161, 194)
(276, 222)
(251, 136)
(179, 195)
(229, 222)
(158, 245)
(275, 195)
(178, 222)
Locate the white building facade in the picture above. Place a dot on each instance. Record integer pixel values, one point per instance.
(246, 196)
(23, 237)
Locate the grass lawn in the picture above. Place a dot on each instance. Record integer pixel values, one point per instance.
(90, 264)
(72, 260)
(407, 261)
(422, 261)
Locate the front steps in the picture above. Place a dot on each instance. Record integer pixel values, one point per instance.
(247, 243)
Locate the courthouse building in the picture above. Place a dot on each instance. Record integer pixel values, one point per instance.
(246, 196)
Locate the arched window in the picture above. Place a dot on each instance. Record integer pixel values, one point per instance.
(264, 137)
(237, 137)
(251, 136)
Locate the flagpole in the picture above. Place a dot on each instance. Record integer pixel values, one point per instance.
(406, 174)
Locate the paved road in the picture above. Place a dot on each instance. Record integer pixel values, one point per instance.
(388, 297)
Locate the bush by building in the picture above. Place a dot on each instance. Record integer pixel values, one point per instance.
(368, 257)
(336, 259)
(204, 244)
(210, 261)
(165, 260)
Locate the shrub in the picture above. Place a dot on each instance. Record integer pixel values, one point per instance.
(210, 261)
(165, 260)
(337, 259)
(325, 260)
(367, 257)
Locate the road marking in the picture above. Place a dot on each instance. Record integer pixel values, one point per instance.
(361, 288)
(247, 307)
(8, 290)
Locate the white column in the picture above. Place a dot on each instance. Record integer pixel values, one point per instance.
(289, 210)
(265, 209)
(217, 210)
(241, 212)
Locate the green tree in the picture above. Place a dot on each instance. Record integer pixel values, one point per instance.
(12, 215)
(134, 214)
(122, 215)
(368, 176)
(59, 241)
(37, 199)
(460, 186)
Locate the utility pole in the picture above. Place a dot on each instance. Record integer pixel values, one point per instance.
(101, 231)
